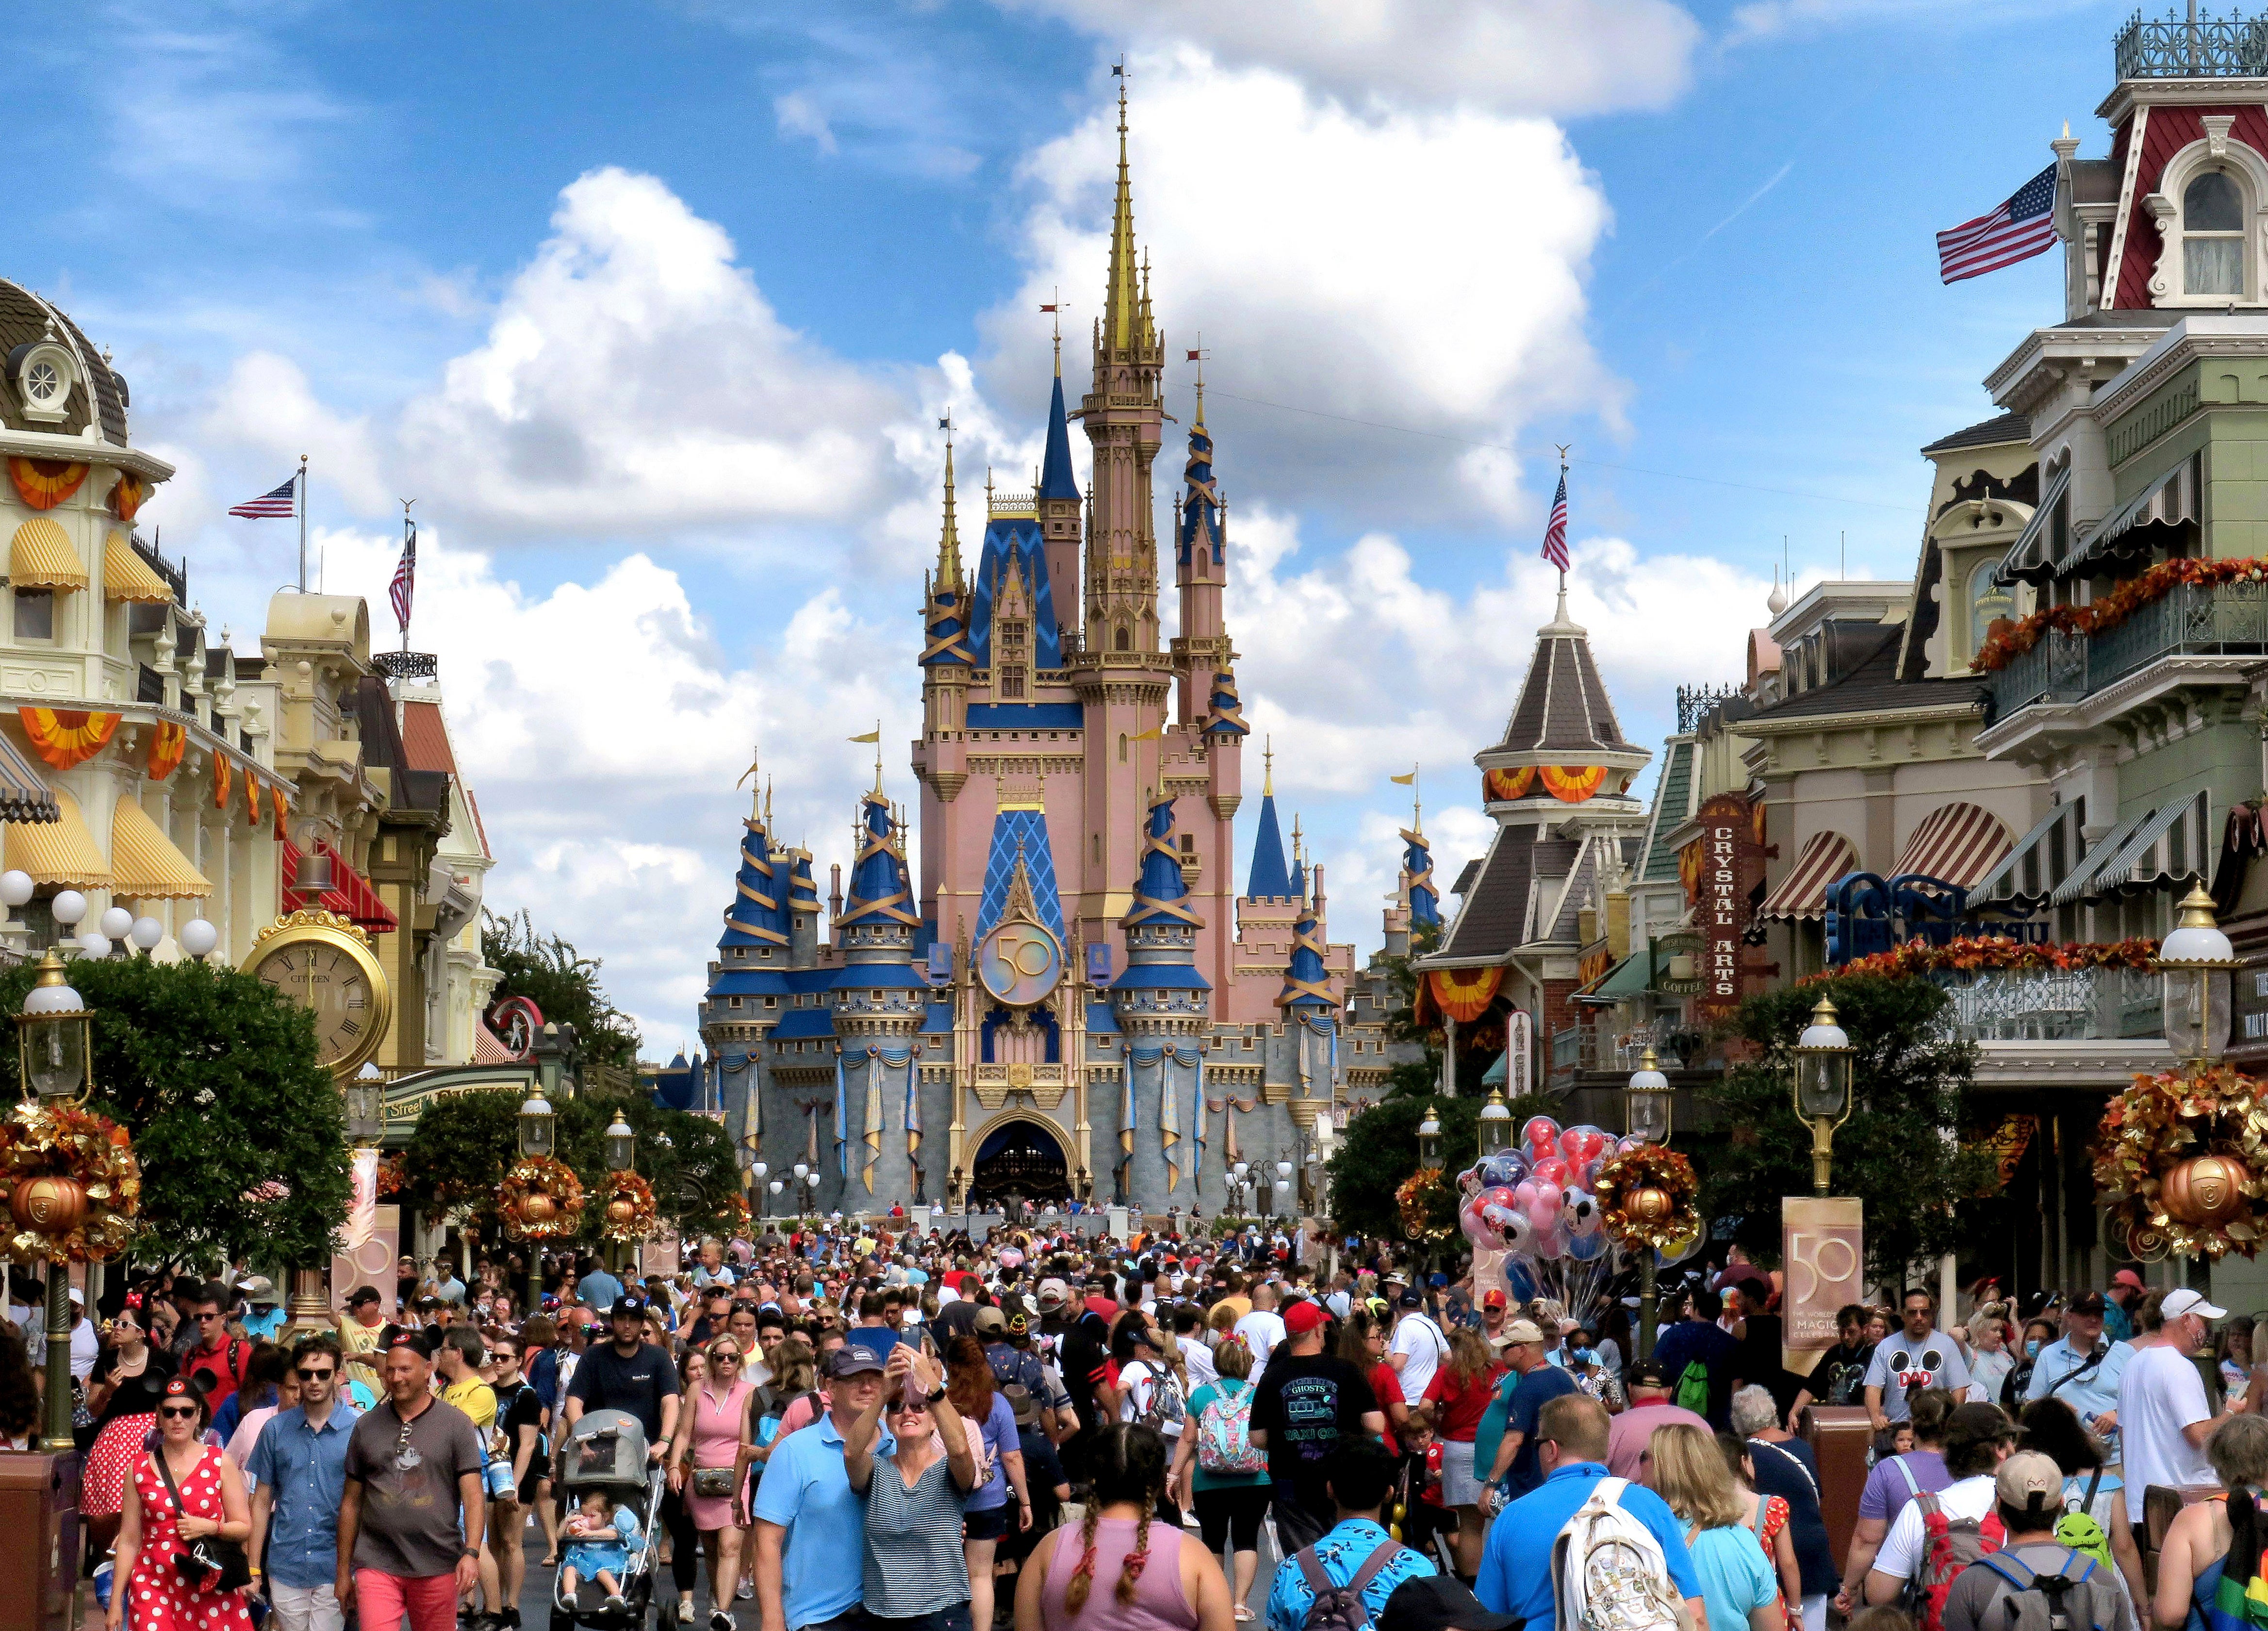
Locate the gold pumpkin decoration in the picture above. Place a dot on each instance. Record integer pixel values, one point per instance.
(50, 1206)
(2205, 1190)
(630, 1213)
(539, 1209)
(1647, 1197)
(2179, 1164)
(1650, 1204)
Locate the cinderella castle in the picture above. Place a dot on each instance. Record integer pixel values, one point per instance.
(1077, 1002)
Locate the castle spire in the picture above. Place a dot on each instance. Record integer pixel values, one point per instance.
(1268, 878)
(949, 539)
(1123, 313)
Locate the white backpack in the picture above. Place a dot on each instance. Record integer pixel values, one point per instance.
(1610, 1570)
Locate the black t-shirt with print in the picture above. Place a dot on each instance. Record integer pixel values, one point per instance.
(1305, 1404)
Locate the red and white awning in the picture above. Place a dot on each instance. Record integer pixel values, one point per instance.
(1957, 844)
(1802, 893)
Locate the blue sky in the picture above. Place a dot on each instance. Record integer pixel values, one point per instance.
(652, 308)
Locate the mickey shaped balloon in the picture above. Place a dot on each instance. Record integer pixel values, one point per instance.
(1582, 1144)
(1587, 1247)
(1507, 1167)
(1553, 1171)
(1579, 1212)
(1540, 1137)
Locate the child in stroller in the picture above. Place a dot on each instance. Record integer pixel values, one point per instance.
(601, 1537)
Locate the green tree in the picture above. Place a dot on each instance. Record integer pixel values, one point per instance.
(459, 1150)
(240, 1132)
(1899, 1152)
(562, 982)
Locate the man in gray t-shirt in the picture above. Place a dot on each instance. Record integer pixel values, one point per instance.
(2027, 1492)
(1917, 1355)
(413, 1466)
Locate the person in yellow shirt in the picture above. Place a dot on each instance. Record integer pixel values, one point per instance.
(456, 1363)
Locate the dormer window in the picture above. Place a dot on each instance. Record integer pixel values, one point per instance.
(44, 372)
(2213, 236)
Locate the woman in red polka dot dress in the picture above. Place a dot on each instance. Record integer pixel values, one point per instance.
(153, 1531)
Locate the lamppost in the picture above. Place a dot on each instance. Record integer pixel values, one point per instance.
(1429, 1138)
(760, 1173)
(536, 1129)
(1823, 1087)
(1646, 1116)
(54, 1054)
(1496, 1125)
(2197, 960)
(622, 1157)
(1283, 1188)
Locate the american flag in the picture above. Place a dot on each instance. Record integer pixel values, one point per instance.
(270, 505)
(2018, 230)
(404, 586)
(1555, 531)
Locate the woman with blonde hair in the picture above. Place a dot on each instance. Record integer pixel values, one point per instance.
(1738, 1586)
(1460, 1393)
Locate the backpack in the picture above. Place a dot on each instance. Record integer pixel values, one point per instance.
(1693, 1388)
(2075, 1599)
(1341, 1608)
(1609, 1570)
(1949, 1546)
(1224, 1432)
(2078, 1529)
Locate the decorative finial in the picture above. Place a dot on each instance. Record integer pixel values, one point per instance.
(949, 539)
(1268, 764)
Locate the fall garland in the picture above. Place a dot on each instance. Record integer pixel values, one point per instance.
(91, 1151)
(1641, 1167)
(2156, 1125)
(738, 1218)
(393, 1173)
(1423, 1196)
(2004, 645)
(1973, 953)
(630, 1213)
(546, 1179)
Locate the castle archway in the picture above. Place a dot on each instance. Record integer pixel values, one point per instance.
(1018, 1160)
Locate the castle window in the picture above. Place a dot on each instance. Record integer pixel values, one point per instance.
(2212, 235)
(771, 1002)
(35, 617)
(1189, 846)
(1125, 640)
(1011, 681)
(736, 1002)
(763, 951)
(1122, 735)
(1098, 849)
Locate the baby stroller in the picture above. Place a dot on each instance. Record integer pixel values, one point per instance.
(606, 1450)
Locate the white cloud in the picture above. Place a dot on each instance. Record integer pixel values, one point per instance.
(1766, 19)
(266, 405)
(1420, 269)
(799, 115)
(214, 116)
(634, 380)
(1555, 57)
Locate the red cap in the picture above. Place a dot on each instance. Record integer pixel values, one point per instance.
(1301, 1318)
(2128, 1277)
(1492, 1299)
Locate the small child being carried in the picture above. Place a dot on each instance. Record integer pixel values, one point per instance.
(599, 1546)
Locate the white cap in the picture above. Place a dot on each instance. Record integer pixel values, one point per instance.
(2188, 1302)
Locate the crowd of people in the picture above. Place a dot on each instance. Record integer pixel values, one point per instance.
(855, 1431)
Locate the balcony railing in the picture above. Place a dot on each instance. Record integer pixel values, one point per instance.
(1591, 1047)
(2229, 48)
(2077, 1004)
(2191, 620)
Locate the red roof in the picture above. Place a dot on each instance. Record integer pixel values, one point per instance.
(425, 737)
(351, 896)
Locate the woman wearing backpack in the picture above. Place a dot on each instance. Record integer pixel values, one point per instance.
(1218, 1472)
(999, 1460)
(2090, 1491)
(2212, 1551)
(1739, 1588)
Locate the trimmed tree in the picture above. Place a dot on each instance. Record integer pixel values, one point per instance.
(562, 982)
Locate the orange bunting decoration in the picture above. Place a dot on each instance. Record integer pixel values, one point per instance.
(43, 484)
(1506, 784)
(67, 736)
(281, 808)
(1974, 952)
(252, 797)
(1462, 994)
(223, 781)
(2007, 641)
(127, 498)
(167, 743)
(1571, 784)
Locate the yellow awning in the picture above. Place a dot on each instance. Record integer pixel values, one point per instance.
(41, 557)
(126, 576)
(61, 853)
(143, 863)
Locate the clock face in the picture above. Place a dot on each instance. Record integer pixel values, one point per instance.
(324, 975)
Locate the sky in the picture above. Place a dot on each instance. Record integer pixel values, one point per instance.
(653, 305)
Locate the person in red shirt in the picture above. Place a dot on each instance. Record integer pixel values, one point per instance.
(227, 1360)
(1460, 1392)
(1362, 1343)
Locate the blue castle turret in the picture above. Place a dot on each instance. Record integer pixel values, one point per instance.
(1417, 866)
(879, 1001)
(1269, 879)
(1161, 1002)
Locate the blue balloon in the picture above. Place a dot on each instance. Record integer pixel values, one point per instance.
(1587, 1247)
(1520, 1280)
(1505, 1170)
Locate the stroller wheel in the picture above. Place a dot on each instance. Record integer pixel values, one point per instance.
(562, 1623)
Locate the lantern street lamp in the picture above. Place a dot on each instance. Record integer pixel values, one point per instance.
(622, 1156)
(1646, 1116)
(2197, 960)
(1823, 1087)
(1496, 1125)
(53, 1045)
(365, 1103)
(1429, 1138)
(760, 1173)
(538, 1128)
(1284, 1187)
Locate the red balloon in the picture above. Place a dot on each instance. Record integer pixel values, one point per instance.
(1541, 1135)
(1580, 1144)
(1553, 1171)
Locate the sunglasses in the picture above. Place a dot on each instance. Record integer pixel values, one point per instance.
(207, 1318)
(182, 1412)
(724, 1359)
(909, 1410)
(325, 1374)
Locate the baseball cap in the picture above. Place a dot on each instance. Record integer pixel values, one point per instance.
(1646, 1373)
(2188, 1302)
(1493, 1298)
(1019, 1401)
(1301, 1318)
(77, 1297)
(361, 1295)
(2088, 1303)
(850, 1360)
(1438, 1602)
(630, 1303)
(1522, 1331)
(2128, 1277)
(2029, 1481)
(1053, 1293)
(991, 1322)
(1409, 1299)
(260, 1288)
(404, 1338)
(427, 1304)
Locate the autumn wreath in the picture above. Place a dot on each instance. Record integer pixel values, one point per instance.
(1647, 1195)
(630, 1213)
(540, 1199)
(2178, 1161)
(1974, 953)
(738, 1219)
(70, 1183)
(1426, 1197)
(2009, 641)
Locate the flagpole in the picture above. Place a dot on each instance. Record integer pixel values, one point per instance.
(302, 496)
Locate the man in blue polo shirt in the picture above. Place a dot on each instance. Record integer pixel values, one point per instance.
(811, 1528)
(2082, 1367)
(1516, 1575)
(300, 1464)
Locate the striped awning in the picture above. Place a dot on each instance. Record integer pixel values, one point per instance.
(2031, 558)
(1956, 844)
(2168, 849)
(2168, 501)
(2029, 874)
(349, 895)
(40, 557)
(2081, 884)
(144, 864)
(126, 576)
(1802, 893)
(61, 853)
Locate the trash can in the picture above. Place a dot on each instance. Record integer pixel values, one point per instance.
(1839, 1436)
(39, 1567)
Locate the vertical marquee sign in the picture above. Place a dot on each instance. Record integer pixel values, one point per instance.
(1721, 882)
(1823, 1253)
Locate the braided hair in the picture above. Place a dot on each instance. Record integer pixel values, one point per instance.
(1128, 1465)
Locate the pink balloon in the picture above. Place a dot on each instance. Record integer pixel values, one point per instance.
(1553, 1171)
(1541, 1135)
(1524, 1197)
(1544, 1210)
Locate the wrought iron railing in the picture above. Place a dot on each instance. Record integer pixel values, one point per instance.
(407, 665)
(2189, 620)
(2055, 1005)
(2176, 48)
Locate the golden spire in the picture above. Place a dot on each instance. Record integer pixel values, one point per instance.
(1268, 761)
(948, 541)
(1122, 306)
(1197, 427)
(767, 804)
